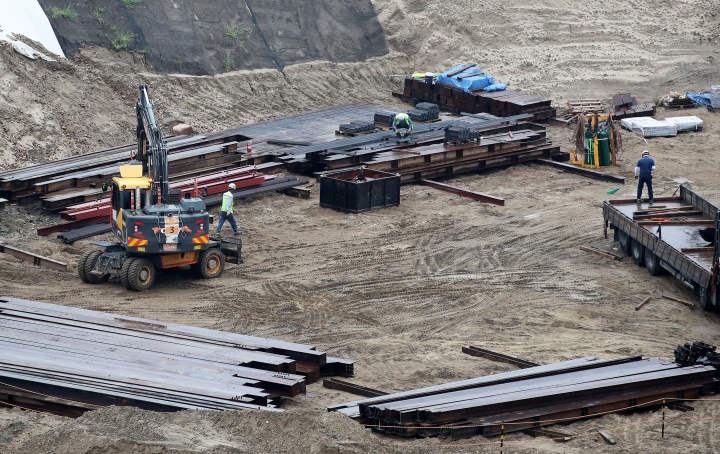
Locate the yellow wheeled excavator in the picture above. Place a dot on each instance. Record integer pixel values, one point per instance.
(155, 230)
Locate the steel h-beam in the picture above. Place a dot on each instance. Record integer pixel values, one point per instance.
(464, 192)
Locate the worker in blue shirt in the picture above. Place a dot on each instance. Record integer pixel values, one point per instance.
(643, 173)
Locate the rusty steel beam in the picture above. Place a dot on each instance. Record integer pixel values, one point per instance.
(334, 383)
(67, 226)
(35, 259)
(479, 196)
(583, 171)
(482, 353)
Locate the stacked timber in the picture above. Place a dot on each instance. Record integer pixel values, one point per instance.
(531, 397)
(68, 360)
(503, 103)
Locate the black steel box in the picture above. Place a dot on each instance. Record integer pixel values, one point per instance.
(359, 189)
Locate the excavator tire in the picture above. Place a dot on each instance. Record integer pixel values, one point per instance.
(210, 264)
(81, 266)
(91, 258)
(141, 274)
(124, 276)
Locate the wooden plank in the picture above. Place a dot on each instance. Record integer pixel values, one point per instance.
(699, 222)
(686, 250)
(458, 71)
(678, 300)
(666, 214)
(644, 302)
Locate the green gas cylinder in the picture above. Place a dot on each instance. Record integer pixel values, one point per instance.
(604, 148)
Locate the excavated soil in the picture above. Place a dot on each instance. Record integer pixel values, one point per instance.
(398, 290)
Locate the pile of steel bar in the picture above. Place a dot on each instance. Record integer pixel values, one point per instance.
(501, 103)
(68, 360)
(532, 397)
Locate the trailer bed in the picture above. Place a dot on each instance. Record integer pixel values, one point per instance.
(668, 232)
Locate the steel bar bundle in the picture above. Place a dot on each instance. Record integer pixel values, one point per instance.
(78, 359)
(531, 397)
(357, 126)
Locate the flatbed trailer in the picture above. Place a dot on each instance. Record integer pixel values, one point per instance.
(675, 234)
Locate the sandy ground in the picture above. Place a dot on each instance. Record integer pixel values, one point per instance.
(398, 290)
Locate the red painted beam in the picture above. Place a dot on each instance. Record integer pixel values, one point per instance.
(479, 196)
(66, 227)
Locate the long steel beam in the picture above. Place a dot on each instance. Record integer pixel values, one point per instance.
(482, 353)
(35, 259)
(479, 196)
(583, 171)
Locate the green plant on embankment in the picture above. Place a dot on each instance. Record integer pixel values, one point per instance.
(229, 63)
(131, 4)
(121, 39)
(99, 15)
(63, 13)
(236, 33)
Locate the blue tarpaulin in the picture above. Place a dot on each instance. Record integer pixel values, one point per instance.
(495, 87)
(467, 84)
(701, 99)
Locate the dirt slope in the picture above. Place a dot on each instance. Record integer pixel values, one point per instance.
(398, 290)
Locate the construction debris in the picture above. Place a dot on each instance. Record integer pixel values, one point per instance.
(68, 360)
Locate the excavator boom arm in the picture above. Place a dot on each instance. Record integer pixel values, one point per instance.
(152, 148)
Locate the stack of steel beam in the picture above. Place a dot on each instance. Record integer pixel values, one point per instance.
(532, 397)
(79, 178)
(501, 103)
(68, 360)
(498, 142)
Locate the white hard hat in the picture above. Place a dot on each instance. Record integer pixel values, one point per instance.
(402, 116)
(231, 186)
(645, 153)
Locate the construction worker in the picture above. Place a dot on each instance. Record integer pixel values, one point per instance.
(402, 125)
(226, 211)
(643, 173)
